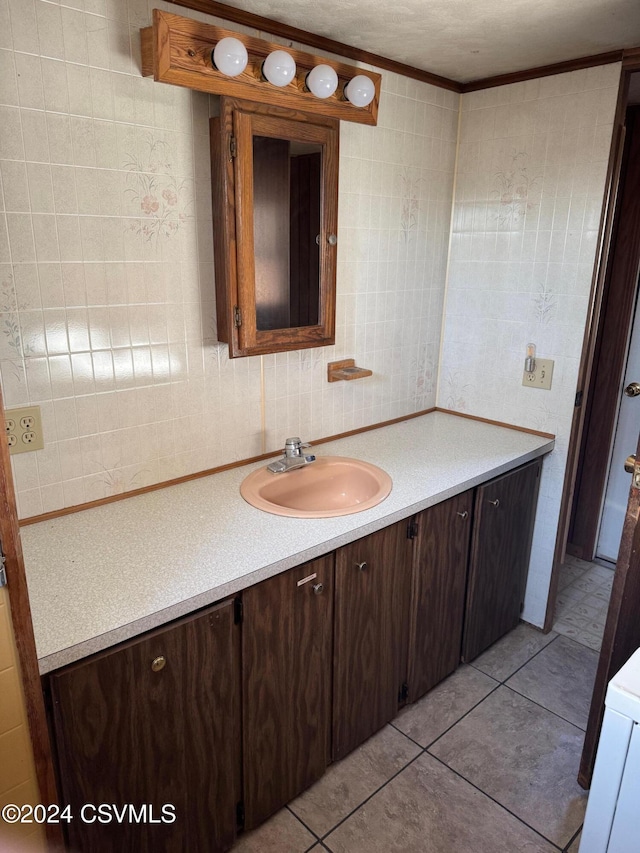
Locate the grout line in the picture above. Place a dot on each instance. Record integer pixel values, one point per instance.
(544, 708)
(493, 800)
(445, 293)
(366, 800)
(466, 714)
(299, 820)
(573, 838)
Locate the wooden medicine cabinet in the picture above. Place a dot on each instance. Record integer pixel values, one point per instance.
(275, 212)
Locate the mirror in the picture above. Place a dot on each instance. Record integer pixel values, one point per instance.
(286, 227)
(275, 187)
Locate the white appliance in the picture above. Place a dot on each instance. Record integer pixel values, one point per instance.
(612, 821)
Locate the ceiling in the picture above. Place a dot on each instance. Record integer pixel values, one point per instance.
(465, 40)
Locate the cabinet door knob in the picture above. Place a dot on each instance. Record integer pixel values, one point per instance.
(463, 514)
(495, 503)
(361, 567)
(318, 588)
(158, 663)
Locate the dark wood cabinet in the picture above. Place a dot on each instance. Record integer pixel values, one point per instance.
(373, 582)
(286, 679)
(227, 715)
(154, 723)
(504, 515)
(442, 535)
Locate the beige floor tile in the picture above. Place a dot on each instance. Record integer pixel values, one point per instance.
(283, 833)
(524, 757)
(429, 809)
(349, 782)
(560, 679)
(443, 706)
(512, 651)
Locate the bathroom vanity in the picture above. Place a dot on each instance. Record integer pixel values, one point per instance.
(198, 652)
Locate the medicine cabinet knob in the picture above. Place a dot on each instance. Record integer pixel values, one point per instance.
(158, 663)
(361, 567)
(318, 588)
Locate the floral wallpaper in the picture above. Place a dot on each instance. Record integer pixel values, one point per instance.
(107, 291)
(153, 185)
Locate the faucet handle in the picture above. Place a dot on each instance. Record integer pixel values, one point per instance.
(293, 446)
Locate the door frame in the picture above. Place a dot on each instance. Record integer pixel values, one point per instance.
(592, 341)
(611, 352)
(20, 612)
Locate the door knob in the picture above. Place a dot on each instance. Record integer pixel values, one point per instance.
(629, 463)
(318, 588)
(361, 567)
(463, 514)
(158, 663)
(495, 503)
(632, 389)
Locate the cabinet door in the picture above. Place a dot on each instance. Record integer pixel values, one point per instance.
(504, 514)
(437, 602)
(373, 582)
(152, 724)
(286, 666)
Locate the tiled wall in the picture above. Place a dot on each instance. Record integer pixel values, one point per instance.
(531, 172)
(18, 784)
(106, 264)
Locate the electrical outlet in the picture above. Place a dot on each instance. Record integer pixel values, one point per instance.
(541, 377)
(24, 429)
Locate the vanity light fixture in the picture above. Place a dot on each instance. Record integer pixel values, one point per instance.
(279, 68)
(199, 56)
(322, 81)
(230, 56)
(360, 90)
(530, 360)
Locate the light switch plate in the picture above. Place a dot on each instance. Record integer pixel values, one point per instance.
(23, 428)
(541, 377)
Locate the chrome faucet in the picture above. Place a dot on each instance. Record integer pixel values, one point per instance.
(293, 457)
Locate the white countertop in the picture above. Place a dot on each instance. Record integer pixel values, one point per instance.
(103, 575)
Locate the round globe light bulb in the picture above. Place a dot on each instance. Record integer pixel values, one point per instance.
(279, 68)
(360, 90)
(322, 81)
(230, 56)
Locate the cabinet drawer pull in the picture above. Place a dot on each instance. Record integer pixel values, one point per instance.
(158, 663)
(463, 514)
(318, 588)
(361, 567)
(495, 503)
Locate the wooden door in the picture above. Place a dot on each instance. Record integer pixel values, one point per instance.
(132, 730)
(439, 582)
(286, 681)
(622, 628)
(504, 514)
(371, 634)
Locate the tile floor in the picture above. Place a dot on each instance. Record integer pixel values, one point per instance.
(581, 604)
(485, 763)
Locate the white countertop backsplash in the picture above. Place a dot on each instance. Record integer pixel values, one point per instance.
(107, 574)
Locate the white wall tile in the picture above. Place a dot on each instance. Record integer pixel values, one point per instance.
(539, 173)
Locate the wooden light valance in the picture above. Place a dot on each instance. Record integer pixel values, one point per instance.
(178, 50)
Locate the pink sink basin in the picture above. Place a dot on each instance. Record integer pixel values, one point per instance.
(330, 486)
